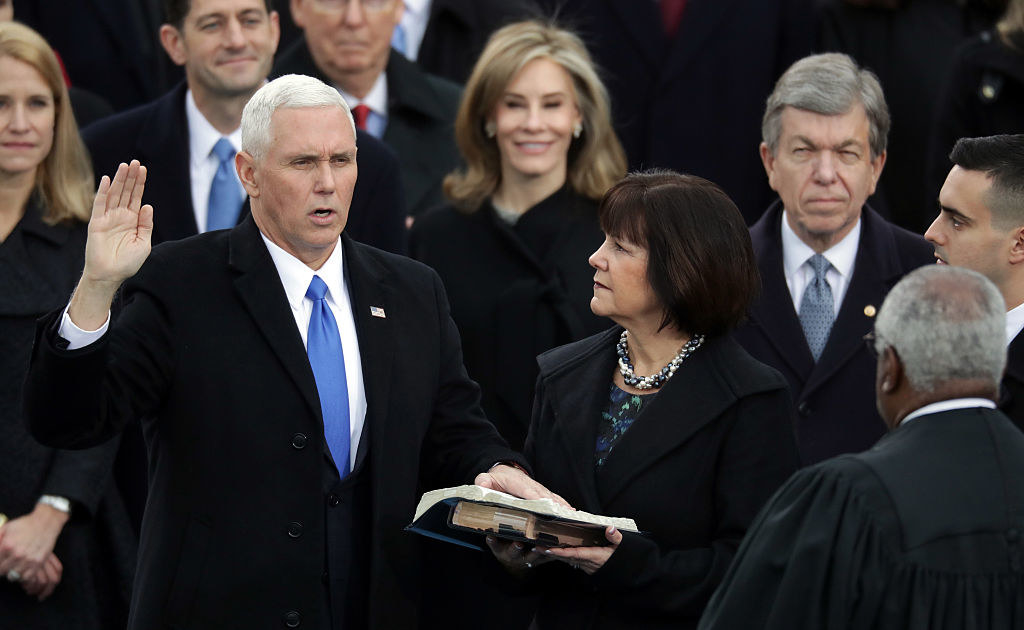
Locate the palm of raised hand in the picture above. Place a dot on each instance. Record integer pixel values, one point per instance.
(120, 228)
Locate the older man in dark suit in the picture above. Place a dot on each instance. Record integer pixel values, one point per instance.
(826, 258)
(923, 531)
(299, 389)
(348, 45)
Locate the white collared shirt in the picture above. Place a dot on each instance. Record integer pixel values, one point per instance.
(948, 405)
(795, 253)
(202, 163)
(295, 277)
(377, 100)
(1014, 322)
(414, 22)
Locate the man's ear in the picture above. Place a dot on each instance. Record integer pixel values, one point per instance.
(173, 42)
(892, 371)
(1017, 246)
(768, 160)
(298, 10)
(877, 164)
(245, 165)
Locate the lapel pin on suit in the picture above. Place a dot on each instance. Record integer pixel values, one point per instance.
(870, 310)
(377, 311)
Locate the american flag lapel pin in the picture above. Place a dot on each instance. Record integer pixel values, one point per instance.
(377, 311)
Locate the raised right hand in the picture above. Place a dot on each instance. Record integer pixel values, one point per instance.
(121, 228)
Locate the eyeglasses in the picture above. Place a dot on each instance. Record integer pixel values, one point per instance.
(342, 5)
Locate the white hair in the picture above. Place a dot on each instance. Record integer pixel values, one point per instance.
(946, 324)
(289, 91)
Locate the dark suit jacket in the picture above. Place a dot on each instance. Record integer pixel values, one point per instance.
(421, 112)
(156, 134)
(1011, 395)
(693, 471)
(207, 350)
(835, 397)
(694, 103)
(921, 532)
(457, 31)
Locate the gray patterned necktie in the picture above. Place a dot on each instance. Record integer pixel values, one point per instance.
(816, 309)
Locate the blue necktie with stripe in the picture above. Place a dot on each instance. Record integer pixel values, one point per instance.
(817, 309)
(225, 198)
(323, 346)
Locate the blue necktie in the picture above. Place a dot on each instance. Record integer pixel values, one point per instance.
(225, 200)
(816, 309)
(398, 41)
(323, 346)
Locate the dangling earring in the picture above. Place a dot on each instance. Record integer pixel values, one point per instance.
(490, 129)
(577, 130)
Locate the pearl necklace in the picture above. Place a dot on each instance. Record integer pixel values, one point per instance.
(660, 378)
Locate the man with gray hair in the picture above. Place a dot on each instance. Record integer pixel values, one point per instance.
(299, 388)
(923, 531)
(826, 258)
(981, 227)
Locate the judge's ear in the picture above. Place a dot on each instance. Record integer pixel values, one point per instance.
(173, 42)
(891, 374)
(245, 165)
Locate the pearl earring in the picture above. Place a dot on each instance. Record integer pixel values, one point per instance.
(491, 129)
(577, 130)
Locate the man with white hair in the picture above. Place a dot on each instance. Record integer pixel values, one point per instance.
(923, 531)
(299, 389)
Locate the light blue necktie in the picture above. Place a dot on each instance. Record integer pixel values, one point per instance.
(225, 199)
(323, 346)
(817, 308)
(398, 41)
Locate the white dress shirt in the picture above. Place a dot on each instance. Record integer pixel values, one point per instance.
(377, 100)
(799, 274)
(949, 405)
(295, 277)
(202, 163)
(414, 22)
(1014, 322)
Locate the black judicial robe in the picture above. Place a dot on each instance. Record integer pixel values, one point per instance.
(921, 531)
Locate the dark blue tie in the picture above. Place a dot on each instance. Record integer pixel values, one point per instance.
(817, 310)
(225, 200)
(323, 346)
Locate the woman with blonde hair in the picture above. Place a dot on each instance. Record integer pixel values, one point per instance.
(534, 129)
(66, 550)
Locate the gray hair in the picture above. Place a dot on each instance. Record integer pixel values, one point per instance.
(289, 91)
(830, 85)
(946, 324)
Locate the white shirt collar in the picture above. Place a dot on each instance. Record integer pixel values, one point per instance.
(949, 405)
(296, 275)
(1014, 322)
(376, 99)
(795, 252)
(202, 135)
(417, 6)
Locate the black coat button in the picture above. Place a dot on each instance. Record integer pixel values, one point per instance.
(803, 408)
(333, 500)
(299, 441)
(292, 619)
(295, 529)
(323, 577)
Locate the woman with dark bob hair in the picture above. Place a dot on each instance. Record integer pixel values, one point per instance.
(663, 419)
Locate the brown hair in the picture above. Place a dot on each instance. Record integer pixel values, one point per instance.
(596, 159)
(700, 262)
(64, 182)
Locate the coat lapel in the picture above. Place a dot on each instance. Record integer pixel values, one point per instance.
(259, 287)
(875, 271)
(774, 312)
(694, 397)
(369, 290)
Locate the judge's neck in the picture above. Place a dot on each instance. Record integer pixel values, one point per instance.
(15, 190)
(912, 399)
(519, 193)
(651, 349)
(224, 113)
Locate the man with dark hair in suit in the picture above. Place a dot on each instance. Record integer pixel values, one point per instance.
(188, 137)
(826, 258)
(298, 387)
(981, 227)
(923, 531)
(347, 44)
